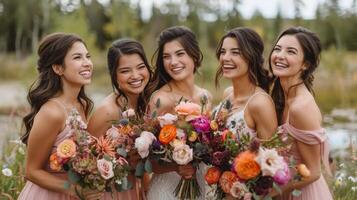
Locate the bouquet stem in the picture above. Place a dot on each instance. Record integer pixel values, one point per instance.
(187, 189)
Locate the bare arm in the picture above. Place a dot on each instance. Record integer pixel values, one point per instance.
(48, 122)
(262, 111)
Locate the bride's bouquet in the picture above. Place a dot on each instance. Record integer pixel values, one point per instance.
(178, 141)
(244, 166)
(94, 164)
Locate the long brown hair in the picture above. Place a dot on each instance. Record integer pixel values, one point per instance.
(52, 50)
(252, 48)
(188, 41)
(118, 49)
(311, 47)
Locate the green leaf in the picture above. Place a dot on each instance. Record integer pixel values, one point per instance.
(139, 169)
(148, 167)
(157, 103)
(296, 193)
(154, 114)
(122, 152)
(124, 183)
(73, 177)
(277, 188)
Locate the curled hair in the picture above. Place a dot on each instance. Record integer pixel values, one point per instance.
(311, 47)
(251, 47)
(52, 51)
(118, 49)
(188, 41)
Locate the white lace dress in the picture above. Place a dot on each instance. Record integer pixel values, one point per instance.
(162, 186)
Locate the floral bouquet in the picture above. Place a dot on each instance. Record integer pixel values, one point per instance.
(243, 166)
(178, 141)
(92, 163)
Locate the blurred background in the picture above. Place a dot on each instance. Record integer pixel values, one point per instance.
(99, 22)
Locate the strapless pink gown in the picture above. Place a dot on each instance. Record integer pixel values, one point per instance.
(319, 189)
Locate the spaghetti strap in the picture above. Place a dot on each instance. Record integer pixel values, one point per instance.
(255, 94)
(61, 105)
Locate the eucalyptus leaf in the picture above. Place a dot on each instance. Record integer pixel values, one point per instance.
(122, 152)
(148, 167)
(277, 188)
(157, 103)
(296, 193)
(139, 169)
(124, 183)
(73, 177)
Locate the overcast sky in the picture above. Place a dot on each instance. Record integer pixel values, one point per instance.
(267, 7)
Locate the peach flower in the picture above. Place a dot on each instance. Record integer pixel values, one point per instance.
(188, 109)
(226, 181)
(167, 134)
(66, 149)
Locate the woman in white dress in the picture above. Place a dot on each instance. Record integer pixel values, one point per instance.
(177, 59)
(240, 55)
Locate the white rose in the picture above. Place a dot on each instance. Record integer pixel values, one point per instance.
(270, 161)
(167, 119)
(128, 113)
(182, 154)
(105, 168)
(142, 143)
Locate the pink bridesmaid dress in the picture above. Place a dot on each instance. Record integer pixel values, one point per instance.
(32, 191)
(319, 189)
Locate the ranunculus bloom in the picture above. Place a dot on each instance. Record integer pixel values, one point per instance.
(201, 124)
(182, 154)
(212, 175)
(142, 143)
(105, 168)
(167, 134)
(193, 137)
(226, 181)
(188, 109)
(245, 165)
(238, 190)
(270, 162)
(303, 170)
(54, 163)
(282, 176)
(66, 149)
(167, 119)
(128, 113)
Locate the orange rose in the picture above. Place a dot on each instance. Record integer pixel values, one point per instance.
(167, 134)
(212, 175)
(245, 165)
(226, 181)
(66, 149)
(188, 109)
(303, 170)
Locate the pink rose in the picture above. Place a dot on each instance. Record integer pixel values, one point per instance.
(182, 154)
(167, 119)
(128, 113)
(143, 143)
(105, 168)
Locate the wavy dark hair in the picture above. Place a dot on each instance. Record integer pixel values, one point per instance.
(252, 47)
(189, 42)
(52, 51)
(311, 47)
(118, 49)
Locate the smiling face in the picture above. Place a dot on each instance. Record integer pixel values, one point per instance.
(287, 58)
(177, 63)
(231, 59)
(77, 68)
(132, 74)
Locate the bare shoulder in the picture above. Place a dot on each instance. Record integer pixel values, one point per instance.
(261, 101)
(227, 92)
(304, 114)
(52, 112)
(161, 101)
